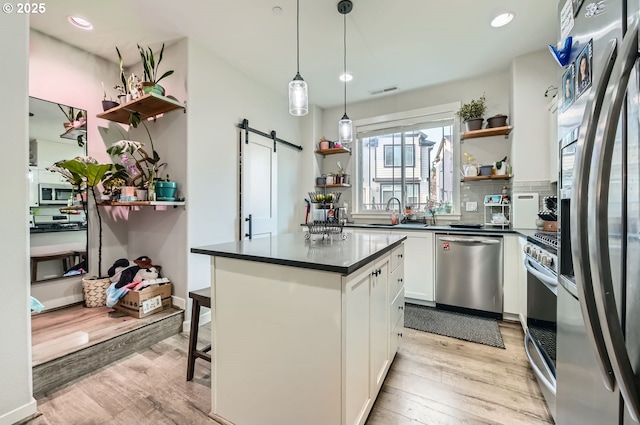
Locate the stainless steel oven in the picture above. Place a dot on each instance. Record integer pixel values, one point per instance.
(542, 289)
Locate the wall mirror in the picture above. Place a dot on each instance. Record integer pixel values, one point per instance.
(58, 228)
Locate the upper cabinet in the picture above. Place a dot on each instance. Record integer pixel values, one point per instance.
(487, 132)
(147, 106)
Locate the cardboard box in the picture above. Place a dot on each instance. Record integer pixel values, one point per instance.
(146, 302)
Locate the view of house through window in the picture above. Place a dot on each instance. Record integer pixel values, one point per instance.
(414, 164)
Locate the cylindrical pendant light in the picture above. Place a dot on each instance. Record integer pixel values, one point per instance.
(345, 125)
(298, 93)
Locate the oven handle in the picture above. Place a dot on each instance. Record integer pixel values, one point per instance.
(579, 214)
(544, 379)
(599, 253)
(547, 278)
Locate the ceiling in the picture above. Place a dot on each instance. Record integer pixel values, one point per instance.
(404, 43)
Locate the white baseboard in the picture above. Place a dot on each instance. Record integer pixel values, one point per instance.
(21, 414)
(204, 319)
(179, 302)
(419, 302)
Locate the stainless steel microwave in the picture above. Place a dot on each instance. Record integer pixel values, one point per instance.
(54, 193)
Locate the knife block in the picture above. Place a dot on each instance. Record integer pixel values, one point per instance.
(550, 226)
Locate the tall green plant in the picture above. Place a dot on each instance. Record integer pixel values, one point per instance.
(87, 171)
(123, 78)
(151, 66)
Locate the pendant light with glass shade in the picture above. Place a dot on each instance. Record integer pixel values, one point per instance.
(298, 93)
(345, 125)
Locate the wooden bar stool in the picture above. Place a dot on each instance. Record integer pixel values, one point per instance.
(201, 298)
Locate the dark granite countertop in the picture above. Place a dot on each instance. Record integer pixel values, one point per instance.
(35, 230)
(292, 249)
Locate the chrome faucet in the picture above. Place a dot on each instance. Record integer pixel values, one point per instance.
(389, 203)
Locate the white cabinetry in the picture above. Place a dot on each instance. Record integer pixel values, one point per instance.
(374, 308)
(554, 144)
(512, 284)
(396, 298)
(34, 198)
(419, 271)
(379, 322)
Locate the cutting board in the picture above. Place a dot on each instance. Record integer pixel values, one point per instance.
(525, 210)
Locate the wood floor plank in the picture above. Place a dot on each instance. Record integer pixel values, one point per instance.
(434, 380)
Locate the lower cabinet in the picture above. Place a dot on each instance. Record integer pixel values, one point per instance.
(419, 266)
(511, 276)
(370, 320)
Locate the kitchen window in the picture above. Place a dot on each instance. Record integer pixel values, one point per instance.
(410, 156)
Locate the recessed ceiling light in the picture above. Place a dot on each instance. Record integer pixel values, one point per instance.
(346, 77)
(80, 22)
(502, 19)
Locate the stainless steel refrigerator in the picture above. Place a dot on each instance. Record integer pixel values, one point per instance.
(598, 341)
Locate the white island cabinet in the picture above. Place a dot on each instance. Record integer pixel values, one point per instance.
(303, 331)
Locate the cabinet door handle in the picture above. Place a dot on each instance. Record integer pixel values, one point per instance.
(399, 255)
(400, 334)
(379, 271)
(401, 307)
(400, 280)
(374, 273)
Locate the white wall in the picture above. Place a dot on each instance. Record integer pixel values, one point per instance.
(220, 96)
(16, 401)
(61, 73)
(162, 235)
(495, 86)
(531, 75)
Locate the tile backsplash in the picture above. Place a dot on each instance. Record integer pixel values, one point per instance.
(476, 191)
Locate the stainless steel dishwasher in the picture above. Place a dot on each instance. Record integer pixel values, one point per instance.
(469, 271)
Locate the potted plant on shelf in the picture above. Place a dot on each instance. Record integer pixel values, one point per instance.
(125, 94)
(76, 118)
(150, 78)
(107, 104)
(136, 168)
(472, 113)
(87, 172)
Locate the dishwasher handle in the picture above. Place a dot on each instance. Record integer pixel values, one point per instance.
(469, 240)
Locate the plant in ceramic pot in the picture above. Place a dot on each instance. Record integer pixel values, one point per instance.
(472, 113)
(135, 165)
(76, 118)
(150, 66)
(166, 190)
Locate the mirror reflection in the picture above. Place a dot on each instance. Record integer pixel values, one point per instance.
(57, 219)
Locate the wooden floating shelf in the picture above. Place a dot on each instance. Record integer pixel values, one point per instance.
(481, 178)
(334, 185)
(142, 204)
(332, 151)
(148, 106)
(487, 132)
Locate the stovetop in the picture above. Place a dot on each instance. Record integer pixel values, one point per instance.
(549, 240)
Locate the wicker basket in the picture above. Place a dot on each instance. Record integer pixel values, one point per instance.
(95, 291)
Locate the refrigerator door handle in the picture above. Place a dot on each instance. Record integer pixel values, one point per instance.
(599, 253)
(579, 215)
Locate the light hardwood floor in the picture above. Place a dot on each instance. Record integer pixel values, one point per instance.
(433, 380)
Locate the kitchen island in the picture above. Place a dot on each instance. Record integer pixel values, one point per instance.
(303, 331)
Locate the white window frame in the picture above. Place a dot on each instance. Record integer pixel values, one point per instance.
(407, 118)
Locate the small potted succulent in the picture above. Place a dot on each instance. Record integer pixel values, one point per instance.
(472, 113)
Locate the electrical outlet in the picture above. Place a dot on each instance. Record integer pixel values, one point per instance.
(471, 206)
